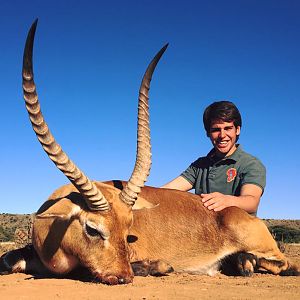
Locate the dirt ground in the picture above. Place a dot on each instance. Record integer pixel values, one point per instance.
(174, 286)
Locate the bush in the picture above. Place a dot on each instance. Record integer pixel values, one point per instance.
(285, 234)
(5, 235)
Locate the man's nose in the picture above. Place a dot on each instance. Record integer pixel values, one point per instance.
(222, 133)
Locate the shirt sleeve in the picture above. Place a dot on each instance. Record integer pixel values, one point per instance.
(190, 174)
(254, 172)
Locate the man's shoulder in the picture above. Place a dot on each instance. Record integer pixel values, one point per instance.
(201, 162)
(246, 155)
(247, 159)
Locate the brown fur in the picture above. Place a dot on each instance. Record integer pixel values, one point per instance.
(178, 232)
(188, 236)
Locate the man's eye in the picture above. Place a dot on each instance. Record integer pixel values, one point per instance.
(214, 129)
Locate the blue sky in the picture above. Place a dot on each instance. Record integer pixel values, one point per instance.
(89, 58)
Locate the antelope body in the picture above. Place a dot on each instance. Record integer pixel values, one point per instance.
(117, 229)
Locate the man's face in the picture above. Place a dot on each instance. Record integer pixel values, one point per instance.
(223, 136)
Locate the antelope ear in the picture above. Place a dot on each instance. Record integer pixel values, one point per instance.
(62, 208)
(142, 203)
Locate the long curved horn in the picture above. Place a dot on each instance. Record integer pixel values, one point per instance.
(92, 195)
(143, 156)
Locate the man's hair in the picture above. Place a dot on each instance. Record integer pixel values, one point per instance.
(224, 111)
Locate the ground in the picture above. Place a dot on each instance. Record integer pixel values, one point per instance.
(174, 286)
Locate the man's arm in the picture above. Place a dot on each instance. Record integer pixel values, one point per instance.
(248, 199)
(179, 183)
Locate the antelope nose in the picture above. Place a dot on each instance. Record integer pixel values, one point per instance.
(121, 280)
(125, 280)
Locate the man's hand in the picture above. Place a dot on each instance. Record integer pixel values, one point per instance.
(248, 199)
(216, 201)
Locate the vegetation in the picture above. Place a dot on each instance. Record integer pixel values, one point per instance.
(5, 235)
(9, 223)
(285, 234)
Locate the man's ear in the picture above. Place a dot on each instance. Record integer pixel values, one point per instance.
(238, 130)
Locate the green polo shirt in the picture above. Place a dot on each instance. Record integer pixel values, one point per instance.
(209, 174)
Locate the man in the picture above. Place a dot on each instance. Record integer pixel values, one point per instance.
(227, 176)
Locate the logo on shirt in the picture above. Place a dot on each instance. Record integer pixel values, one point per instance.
(231, 174)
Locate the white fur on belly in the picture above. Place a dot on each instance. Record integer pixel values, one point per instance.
(211, 269)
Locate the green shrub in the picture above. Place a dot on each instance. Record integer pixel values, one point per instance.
(5, 235)
(285, 234)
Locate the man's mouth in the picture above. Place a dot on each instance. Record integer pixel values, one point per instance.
(222, 143)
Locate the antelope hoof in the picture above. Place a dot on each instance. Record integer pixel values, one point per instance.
(153, 268)
(246, 264)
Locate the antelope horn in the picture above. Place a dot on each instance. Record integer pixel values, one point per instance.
(92, 195)
(143, 156)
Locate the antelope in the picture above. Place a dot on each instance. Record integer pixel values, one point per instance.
(117, 229)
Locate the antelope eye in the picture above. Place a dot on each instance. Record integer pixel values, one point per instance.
(92, 231)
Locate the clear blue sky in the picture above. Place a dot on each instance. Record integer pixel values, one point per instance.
(89, 58)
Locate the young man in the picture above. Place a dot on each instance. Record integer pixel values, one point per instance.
(227, 176)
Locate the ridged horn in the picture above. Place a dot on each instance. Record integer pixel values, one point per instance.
(92, 195)
(143, 156)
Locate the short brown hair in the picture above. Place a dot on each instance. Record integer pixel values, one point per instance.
(224, 111)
